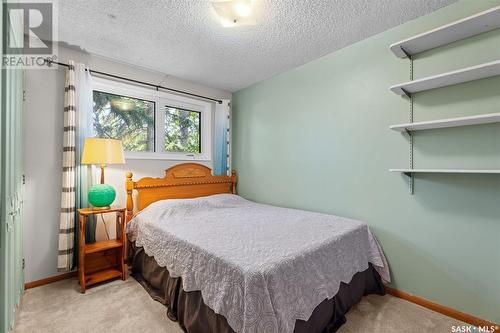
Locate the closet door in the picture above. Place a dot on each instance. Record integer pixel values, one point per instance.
(3, 298)
(11, 191)
(11, 194)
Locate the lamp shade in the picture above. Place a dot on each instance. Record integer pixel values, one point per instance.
(102, 151)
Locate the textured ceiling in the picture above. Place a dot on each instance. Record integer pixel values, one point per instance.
(184, 38)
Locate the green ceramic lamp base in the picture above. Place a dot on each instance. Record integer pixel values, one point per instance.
(101, 196)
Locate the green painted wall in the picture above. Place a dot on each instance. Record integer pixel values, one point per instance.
(317, 138)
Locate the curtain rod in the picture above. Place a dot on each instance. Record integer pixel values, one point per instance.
(49, 62)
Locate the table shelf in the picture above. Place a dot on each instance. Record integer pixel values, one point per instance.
(101, 276)
(96, 262)
(103, 246)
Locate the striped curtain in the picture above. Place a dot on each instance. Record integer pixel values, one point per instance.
(222, 153)
(76, 178)
(68, 209)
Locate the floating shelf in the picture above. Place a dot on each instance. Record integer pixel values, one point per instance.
(468, 171)
(445, 123)
(463, 75)
(461, 29)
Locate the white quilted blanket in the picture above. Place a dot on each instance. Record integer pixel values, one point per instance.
(261, 267)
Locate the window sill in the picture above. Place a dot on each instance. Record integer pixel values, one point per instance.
(153, 156)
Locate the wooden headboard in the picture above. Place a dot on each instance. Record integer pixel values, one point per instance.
(187, 180)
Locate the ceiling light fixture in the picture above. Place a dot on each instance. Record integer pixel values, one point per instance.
(242, 9)
(234, 13)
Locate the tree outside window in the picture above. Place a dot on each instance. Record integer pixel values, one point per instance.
(128, 119)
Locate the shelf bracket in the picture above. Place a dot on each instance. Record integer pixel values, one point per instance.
(405, 52)
(411, 70)
(410, 133)
(408, 174)
(412, 182)
(407, 94)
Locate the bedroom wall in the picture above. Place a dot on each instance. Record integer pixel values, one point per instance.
(43, 154)
(317, 138)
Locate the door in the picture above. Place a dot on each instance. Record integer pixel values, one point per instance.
(11, 191)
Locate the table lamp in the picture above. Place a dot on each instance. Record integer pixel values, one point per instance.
(102, 152)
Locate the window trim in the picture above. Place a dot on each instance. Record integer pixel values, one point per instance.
(161, 100)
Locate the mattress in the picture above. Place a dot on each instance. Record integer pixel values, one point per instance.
(261, 267)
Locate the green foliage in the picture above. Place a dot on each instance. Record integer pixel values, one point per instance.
(132, 121)
(125, 118)
(182, 130)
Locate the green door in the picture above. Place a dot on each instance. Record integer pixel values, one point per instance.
(11, 190)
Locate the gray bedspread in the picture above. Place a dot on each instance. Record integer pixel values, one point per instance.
(261, 267)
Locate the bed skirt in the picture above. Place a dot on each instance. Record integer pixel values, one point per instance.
(193, 316)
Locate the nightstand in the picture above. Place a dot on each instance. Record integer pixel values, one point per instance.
(103, 260)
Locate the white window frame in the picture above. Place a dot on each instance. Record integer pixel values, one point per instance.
(161, 100)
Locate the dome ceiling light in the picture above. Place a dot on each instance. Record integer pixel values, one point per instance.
(233, 13)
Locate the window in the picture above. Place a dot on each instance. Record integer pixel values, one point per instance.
(182, 130)
(152, 124)
(130, 119)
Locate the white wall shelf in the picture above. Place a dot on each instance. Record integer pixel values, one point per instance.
(446, 123)
(470, 26)
(461, 29)
(463, 75)
(409, 172)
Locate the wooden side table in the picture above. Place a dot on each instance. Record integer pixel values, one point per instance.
(103, 260)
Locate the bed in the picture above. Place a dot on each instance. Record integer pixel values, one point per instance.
(221, 263)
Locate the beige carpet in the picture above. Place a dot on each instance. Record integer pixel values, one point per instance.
(124, 306)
